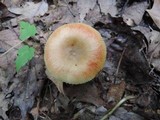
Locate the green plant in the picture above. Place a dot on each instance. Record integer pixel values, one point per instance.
(25, 53)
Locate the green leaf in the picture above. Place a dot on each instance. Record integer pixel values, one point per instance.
(26, 30)
(25, 54)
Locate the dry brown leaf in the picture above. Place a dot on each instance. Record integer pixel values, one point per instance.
(54, 15)
(93, 16)
(145, 30)
(135, 12)
(35, 112)
(28, 86)
(154, 49)
(8, 39)
(5, 13)
(58, 16)
(108, 6)
(3, 106)
(154, 12)
(3, 82)
(4, 103)
(10, 3)
(115, 92)
(85, 93)
(84, 7)
(30, 9)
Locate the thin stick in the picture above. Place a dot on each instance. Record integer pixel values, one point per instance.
(117, 105)
(11, 48)
(119, 62)
(69, 9)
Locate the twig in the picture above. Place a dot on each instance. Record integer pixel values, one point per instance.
(46, 116)
(11, 48)
(69, 9)
(119, 63)
(117, 105)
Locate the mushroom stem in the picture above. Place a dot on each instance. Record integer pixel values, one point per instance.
(59, 84)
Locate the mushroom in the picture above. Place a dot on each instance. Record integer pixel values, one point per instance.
(74, 54)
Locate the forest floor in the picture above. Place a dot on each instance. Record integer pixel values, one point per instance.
(131, 75)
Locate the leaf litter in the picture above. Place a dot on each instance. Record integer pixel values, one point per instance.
(135, 12)
(8, 39)
(154, 12)
(30, 9)
(134, 68)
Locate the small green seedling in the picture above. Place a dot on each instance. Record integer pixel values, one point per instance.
(25, 53)
(26, 30)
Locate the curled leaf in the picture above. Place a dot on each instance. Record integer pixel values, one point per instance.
(154, 12)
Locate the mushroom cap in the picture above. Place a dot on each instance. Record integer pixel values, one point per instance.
(74, 53)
